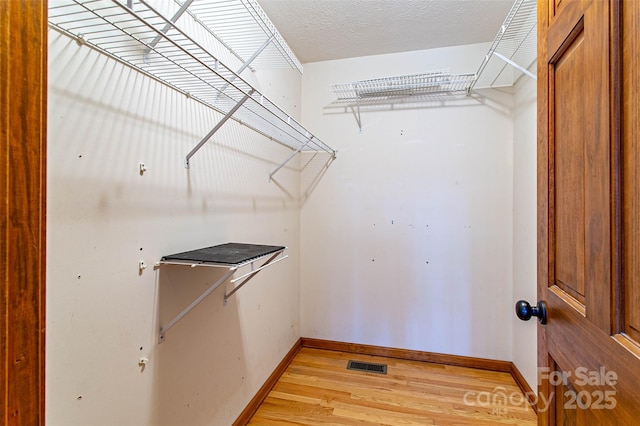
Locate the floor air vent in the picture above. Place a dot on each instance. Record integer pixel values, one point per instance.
(367, 367)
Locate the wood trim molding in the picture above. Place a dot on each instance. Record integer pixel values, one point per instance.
(262, 393)
(23, 147)
(524, 387)
(407, 354)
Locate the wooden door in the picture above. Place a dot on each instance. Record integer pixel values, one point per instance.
(588, 204)
(23, 102)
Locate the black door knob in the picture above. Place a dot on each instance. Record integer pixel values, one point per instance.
(525, 311)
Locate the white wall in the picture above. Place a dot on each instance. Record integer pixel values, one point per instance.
(524, 225)
(104, 216)
(407, 239)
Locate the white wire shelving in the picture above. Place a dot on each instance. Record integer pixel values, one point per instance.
(136, 34)
(513, 49)
(244, 27)
(390, 89)
(510, 56)
(405, 85)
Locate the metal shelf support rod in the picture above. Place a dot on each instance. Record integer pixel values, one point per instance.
(168, 26)
(246, 63)
(188, 309)
(516, 66)
(216, 128)
(255, 55)
(289, 159)
(357, 115)
(252, 274)
(253, 271)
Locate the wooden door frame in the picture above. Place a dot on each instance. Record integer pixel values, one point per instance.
(23, 112)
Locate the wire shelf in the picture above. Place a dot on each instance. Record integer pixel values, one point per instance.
(378, 92)
(405, 85)
(244, 28)
(149, 42)
(513, 49)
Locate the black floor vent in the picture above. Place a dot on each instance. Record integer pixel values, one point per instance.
(367, 367)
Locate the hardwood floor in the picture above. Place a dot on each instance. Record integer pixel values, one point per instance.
(317, 389)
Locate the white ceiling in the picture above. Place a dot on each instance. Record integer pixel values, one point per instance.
(320, 30)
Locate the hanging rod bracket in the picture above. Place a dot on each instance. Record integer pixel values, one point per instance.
(216, 128)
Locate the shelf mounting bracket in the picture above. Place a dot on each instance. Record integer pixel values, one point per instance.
(253, 273)
(356, 112)
(217, 127)
(166, 27)
(246, 64)
(515, 65)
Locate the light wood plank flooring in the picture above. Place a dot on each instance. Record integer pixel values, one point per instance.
(317, 389)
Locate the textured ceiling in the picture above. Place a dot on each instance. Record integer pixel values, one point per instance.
(320, 30)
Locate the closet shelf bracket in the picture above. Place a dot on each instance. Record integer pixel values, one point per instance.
(166, 27)
(232, 256)
(514, 48)
(289, 158)
(516, 66)
(216, 128)
(246, 63)
(356, 113)
(246, 277)
(185, 311)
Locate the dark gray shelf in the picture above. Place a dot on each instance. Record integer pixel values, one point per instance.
(233, 254)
